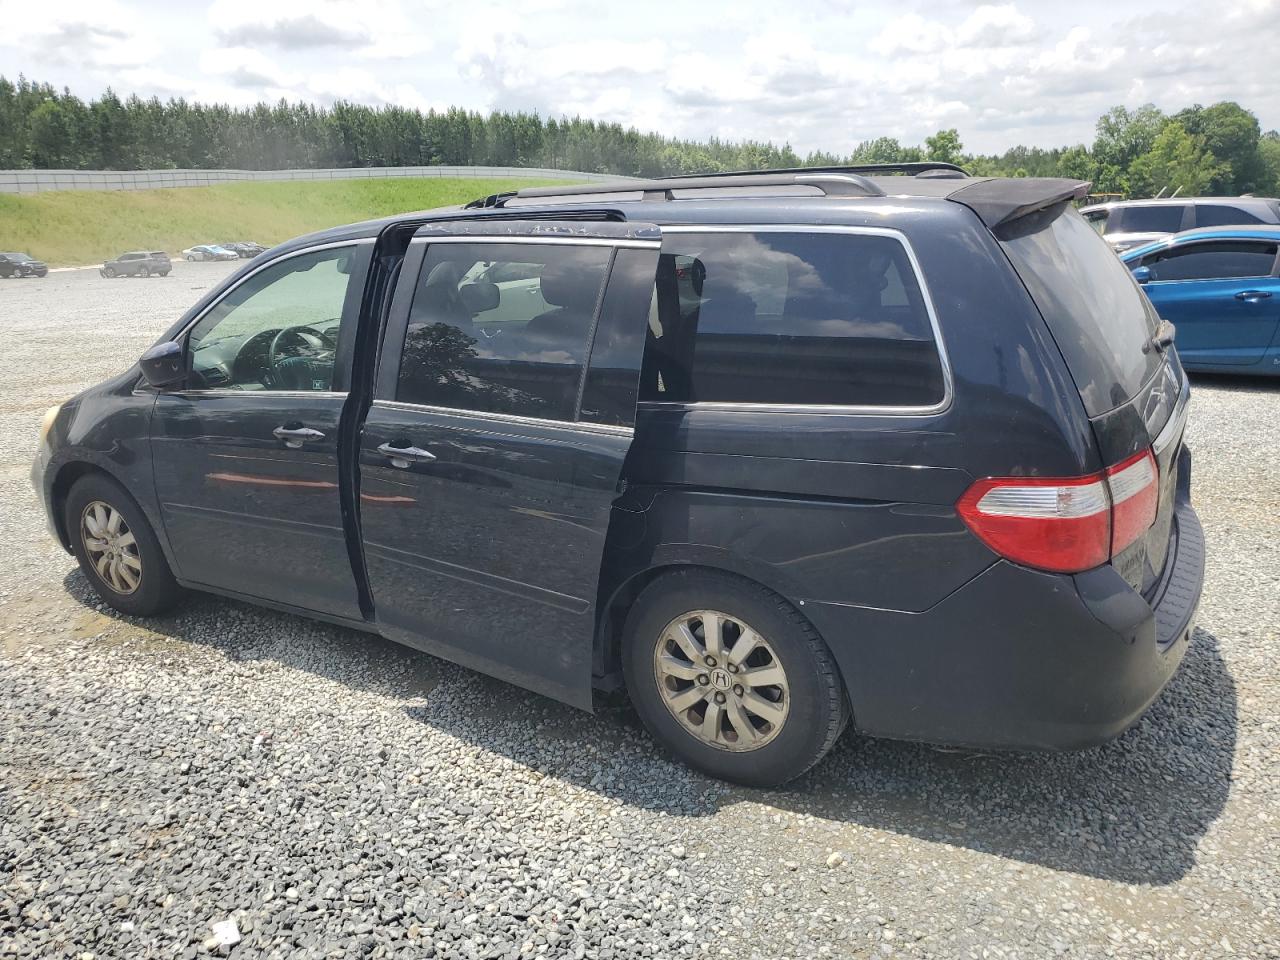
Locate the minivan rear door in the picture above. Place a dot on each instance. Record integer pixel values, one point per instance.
(493, 449)
(1130, 385)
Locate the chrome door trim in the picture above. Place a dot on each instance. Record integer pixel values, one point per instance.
(866, 410)
(575, 426)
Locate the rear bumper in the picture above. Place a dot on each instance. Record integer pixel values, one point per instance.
(1019, 659)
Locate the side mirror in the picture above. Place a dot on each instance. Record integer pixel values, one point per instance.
(1142, 274)
(162, 365)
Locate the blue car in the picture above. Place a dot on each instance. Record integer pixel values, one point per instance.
(1219, 287)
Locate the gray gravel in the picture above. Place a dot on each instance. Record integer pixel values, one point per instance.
(334, 795)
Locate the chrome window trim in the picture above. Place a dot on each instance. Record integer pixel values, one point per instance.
(578, 426)
(225, 392)
(865, 410)
(542, 241)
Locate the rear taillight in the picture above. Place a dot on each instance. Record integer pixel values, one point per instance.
(1064, 524)
(1135, 488)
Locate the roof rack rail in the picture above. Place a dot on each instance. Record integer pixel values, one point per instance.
(832, 184)
(847, 180)
(913, 168)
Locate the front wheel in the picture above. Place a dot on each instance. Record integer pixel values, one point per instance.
(731, 678)
(191, 258)
(116, 548)
(144, 273)
(108, 272)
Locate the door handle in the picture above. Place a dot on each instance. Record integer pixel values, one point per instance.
(295, 437)
(1253, 295)
(402, 456)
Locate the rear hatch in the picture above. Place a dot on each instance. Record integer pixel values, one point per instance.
(1134, 393)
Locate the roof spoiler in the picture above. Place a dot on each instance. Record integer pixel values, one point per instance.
(1003, 200)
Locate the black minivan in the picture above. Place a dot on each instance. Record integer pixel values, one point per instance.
(782, 452)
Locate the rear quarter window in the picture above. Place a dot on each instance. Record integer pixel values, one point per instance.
(790, 318)
(1221, 215)
(1099, 317)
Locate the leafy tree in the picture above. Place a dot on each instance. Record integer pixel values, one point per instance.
(944, 145)
(1123, 135)
(1231, 133)
(1177, 162)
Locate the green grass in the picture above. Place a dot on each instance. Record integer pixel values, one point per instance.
(73, 227)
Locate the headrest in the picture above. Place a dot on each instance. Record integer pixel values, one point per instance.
(569, 287)
(480, 296)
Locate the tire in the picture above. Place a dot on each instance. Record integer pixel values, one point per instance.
(155, 590)
(144, 272)
(108, 272)
(164, 273)
(815, 709)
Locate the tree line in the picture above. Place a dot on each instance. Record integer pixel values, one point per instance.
(1143, 152)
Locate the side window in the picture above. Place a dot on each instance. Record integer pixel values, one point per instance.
(276, 331)
(790, 318)
(516, 346)
(1220, 215)
(1212, 261)
(1157, 218)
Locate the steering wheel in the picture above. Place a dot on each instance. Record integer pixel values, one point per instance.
(312, 341)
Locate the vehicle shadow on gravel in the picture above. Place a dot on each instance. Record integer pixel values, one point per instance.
(1132, 811)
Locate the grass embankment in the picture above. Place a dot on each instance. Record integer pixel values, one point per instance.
(73, 227)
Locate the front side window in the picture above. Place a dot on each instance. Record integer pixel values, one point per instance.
(1212, 261)
(276, 331)
(512, 345)
(791, 319)
(1158, 218)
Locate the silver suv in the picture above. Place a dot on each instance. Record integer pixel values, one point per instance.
(1128, 223)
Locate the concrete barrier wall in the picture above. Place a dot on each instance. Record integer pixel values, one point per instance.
(38, 181)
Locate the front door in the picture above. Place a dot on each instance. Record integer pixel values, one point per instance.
(1223, 297)
(246, 453)
(486, 482)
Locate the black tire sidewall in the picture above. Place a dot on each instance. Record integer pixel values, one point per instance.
(158, 590)
(818, 707)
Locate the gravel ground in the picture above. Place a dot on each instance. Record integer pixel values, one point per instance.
(335, 795)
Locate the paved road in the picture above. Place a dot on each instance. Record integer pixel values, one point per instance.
(337, 795)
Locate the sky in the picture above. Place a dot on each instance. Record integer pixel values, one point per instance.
(825, 74)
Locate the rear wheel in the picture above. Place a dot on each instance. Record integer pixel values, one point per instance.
(116, 548)
(731, 678)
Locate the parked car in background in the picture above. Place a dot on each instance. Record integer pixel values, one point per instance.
(244, 249)
(22, 265)
(801, 451)
(138, 263)
(1131, 223)
(209, 251)
(1220, 288)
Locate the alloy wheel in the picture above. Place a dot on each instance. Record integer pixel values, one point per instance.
(721, 680)
(111, 547)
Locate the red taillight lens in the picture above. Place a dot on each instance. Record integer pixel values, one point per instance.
(1063, 524)
(1053, 524)
(1134, 498)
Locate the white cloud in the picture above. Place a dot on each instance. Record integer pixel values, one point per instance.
(818, 76)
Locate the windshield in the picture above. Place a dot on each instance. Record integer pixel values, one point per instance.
(1102, 322)
(17, 257)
